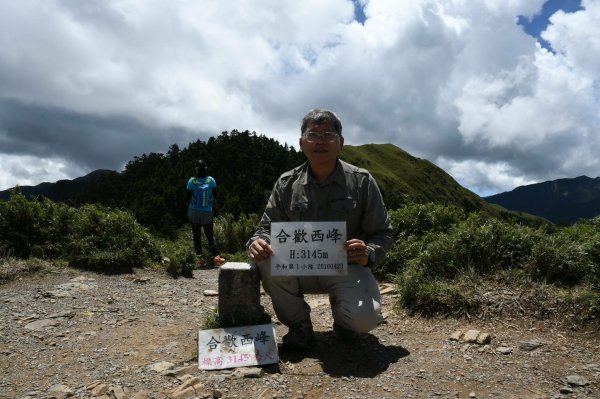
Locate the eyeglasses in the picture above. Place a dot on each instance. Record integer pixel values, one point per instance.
(314, 136)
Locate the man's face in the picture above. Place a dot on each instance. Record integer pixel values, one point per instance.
(319, 145)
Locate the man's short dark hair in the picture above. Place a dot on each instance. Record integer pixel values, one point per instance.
(321, 116)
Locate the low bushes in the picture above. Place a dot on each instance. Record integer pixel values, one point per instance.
(233, 232)
(179, 258)
(432, 261)
(90, 237)
(440, 259)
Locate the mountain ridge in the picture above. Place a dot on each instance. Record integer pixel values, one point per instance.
(562, 201)
(58, 191)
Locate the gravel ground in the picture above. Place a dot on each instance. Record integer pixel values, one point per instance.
(71, 333)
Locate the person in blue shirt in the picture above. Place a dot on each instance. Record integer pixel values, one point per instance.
(201, 190)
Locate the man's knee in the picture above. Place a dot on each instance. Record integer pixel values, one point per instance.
(361, 318)
(366, 321)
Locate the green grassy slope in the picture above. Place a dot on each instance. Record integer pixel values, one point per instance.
(404, 178)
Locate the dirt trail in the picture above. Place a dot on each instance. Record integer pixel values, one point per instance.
(68, 332)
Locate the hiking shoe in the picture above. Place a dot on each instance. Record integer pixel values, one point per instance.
(218, 260)
(299, 336)
(200, 263)
(344, 334)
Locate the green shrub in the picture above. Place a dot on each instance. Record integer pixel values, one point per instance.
(487, 245)
(586, 300)
(416, 226)
(420, 219)
(91, 236)
(55, 227)
(179, 253)
(109, 240)
(477, 245)
(404, 249)
(421, 293)
(36, 227)
(436, 262)
(569, 257)
(20, 222)
(233, 232)
(588, 232)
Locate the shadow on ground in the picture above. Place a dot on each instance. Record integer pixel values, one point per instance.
(364, 357)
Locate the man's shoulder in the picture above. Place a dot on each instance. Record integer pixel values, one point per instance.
(289, 179)
(295, 172)
(353, 169)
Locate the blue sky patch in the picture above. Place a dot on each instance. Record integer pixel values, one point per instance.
(538, 23)
(359, 12)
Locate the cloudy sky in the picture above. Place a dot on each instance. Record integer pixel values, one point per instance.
(498, 93)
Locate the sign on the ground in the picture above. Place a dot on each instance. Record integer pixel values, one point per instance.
(308, 249)
(223, 348)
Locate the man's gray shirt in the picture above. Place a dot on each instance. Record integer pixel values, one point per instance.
(350, 194)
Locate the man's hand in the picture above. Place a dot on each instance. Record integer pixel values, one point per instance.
(259, 250)
(357, 252)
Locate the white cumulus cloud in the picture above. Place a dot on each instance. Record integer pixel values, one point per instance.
(92, 84)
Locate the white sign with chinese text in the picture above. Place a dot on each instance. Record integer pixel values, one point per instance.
(223, 348)
(308, 249)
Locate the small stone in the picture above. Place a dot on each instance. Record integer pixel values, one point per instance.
(100, 389)
(505, 350)
(566, 390)
(187, 393)
(210, 293)
(179, 372)
(143, 394)
(388, 289)
(471, 336)
(117, 392)
(592, 367)
(484, 339)
(140, 280)
(59, 391)
(93, 385)
(40, 325)
(529, 345)
(455, 336)
(248, 372)
(190, 382)
(472, 395)
(161, 366)
(577, 380)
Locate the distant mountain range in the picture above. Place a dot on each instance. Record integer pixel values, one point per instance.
(62, 190)
(562, 201)
(152, 186)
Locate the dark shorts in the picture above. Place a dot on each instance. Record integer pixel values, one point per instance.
(200, 217)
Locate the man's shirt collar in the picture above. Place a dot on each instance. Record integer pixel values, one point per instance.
(337, 176)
